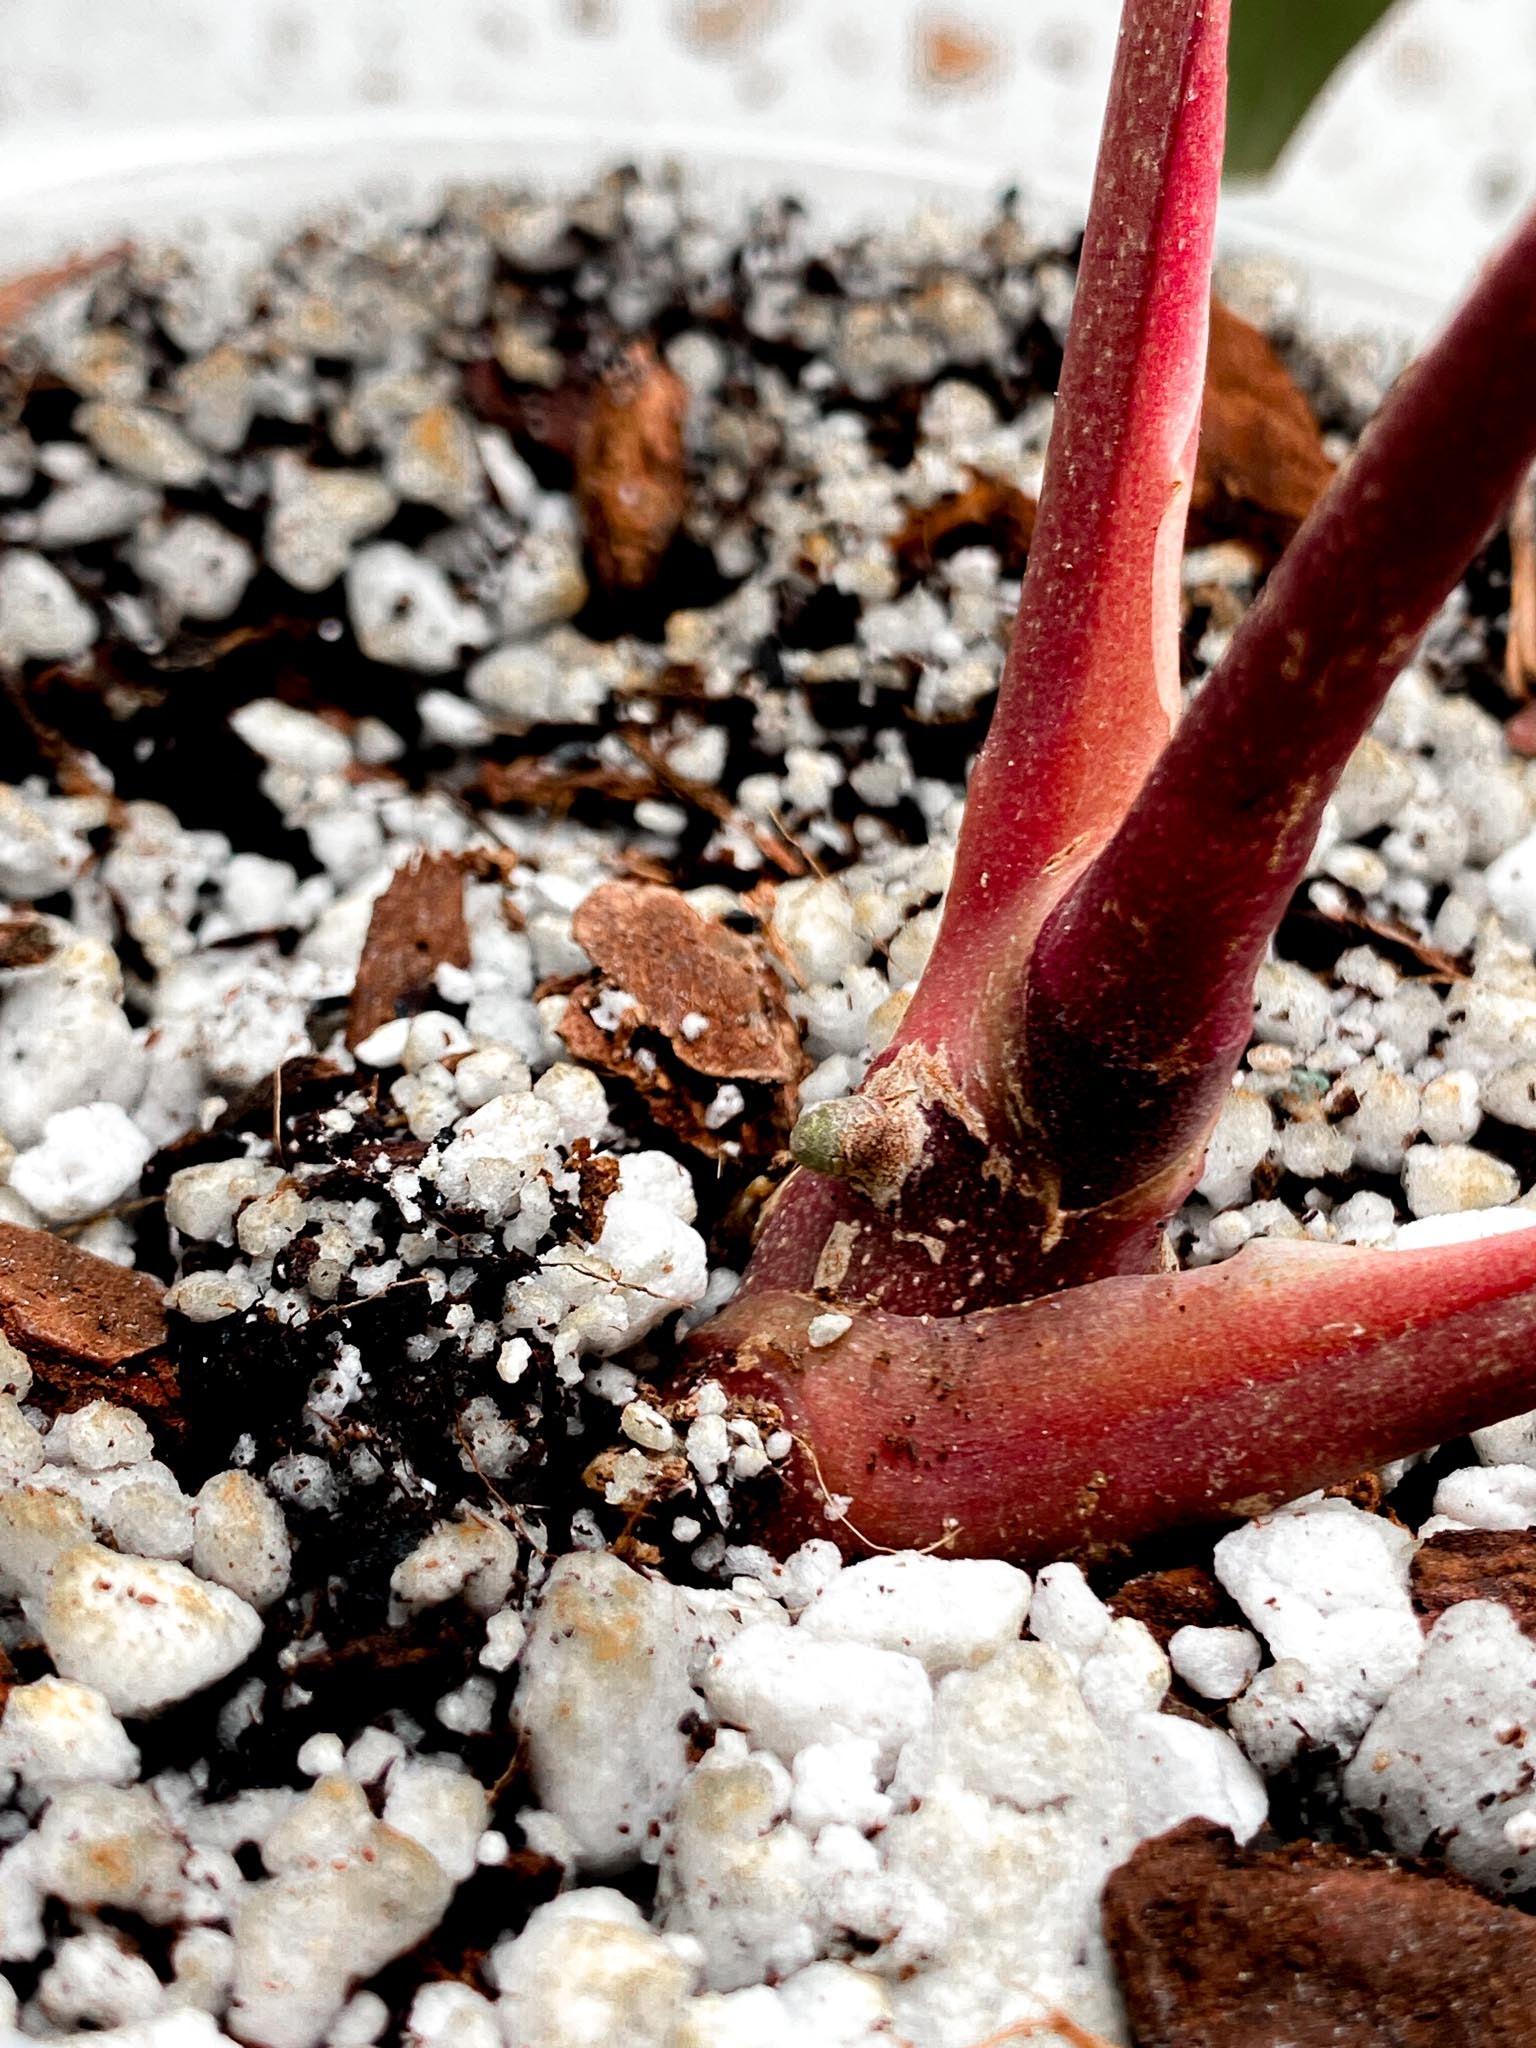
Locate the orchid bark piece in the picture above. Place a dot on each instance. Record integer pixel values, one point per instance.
(1008, 1368)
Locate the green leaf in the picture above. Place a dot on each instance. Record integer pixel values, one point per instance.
(1282, 53)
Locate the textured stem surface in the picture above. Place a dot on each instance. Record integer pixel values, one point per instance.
(1091, 687)
(1090, 1419)
(1087, 699)
(1139, 999)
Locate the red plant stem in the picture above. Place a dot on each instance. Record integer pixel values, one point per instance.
(1139, 992)
(1083, 1421)
(1087, 700)
(1090, 690)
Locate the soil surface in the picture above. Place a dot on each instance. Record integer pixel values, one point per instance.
(487, 707)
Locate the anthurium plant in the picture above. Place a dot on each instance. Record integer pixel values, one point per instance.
(960, 1302)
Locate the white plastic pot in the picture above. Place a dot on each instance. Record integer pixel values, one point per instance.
(183, 119)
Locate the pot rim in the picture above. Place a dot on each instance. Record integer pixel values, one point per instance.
(242, 183)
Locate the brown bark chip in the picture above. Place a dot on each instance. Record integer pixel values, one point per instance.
(1261, 465)
(988, 512)
(1345, 911)
(543, 785)
(706, 1006)
(417, 926)
(90, 1330)
(1312, 1946)
(20, 296)
(1476, 1564)
(25, 941)
(631, 479)
(551, 420)
(679, 966)
(596, 1179)
(1183, 1596)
